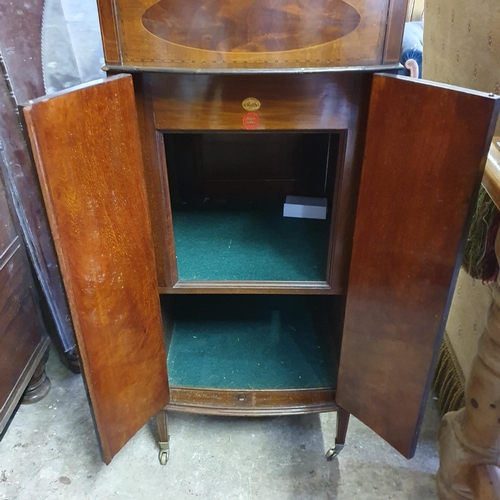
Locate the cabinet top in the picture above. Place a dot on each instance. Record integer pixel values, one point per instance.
(251, 35)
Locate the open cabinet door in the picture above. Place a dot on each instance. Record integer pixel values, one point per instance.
(87, 152)
(425, 151)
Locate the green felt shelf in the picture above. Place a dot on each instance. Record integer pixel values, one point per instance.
(249, 342)
(249, 243)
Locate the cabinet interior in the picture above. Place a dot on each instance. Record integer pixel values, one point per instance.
(252, 342)
(227, 192)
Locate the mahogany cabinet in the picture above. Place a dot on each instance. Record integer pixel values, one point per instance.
(23, 339)
(165, 193)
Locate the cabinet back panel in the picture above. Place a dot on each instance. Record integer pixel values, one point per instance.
(249, 166)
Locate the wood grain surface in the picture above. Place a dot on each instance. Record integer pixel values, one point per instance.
(87, 152)
(239, 35)
(249, 25)
(347, 178)
(251, 403)
(287, 102)
(109, 31)
(157, 185)
(421, 172)
(394, 31)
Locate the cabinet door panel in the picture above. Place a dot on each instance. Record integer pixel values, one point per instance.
(88, 157)
(425, 151)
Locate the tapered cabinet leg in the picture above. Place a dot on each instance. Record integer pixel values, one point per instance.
(342, 424)
(161, 425)
(39, 385)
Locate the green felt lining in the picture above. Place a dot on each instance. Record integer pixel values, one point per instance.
(249, 342)
(248, 242)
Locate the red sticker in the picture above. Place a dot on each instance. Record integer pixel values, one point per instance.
(251, 121)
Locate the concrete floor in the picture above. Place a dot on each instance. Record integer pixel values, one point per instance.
(50, 451)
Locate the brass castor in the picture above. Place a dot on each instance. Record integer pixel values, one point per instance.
(164, 452)
(334, 452)
(163, 457)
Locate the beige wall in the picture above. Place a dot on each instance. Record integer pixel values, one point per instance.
(462, 43)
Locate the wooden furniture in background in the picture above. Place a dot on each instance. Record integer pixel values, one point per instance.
(21, 80)
(23, 340)
(372, 333)
(487, 482)
(469, 439)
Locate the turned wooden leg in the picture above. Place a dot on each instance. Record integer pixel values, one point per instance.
(162, 428)
(39, 385)
(470, 437)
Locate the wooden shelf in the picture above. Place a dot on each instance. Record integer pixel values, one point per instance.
(250, 343)
(249, 244)
(250, 287)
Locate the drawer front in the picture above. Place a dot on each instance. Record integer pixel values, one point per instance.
(253, 102)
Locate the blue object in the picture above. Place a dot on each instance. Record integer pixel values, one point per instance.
(414, 54)
(412, 46)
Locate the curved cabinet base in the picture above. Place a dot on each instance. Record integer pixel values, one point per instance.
(259, 403)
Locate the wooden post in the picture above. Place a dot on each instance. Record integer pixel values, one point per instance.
(470, 437)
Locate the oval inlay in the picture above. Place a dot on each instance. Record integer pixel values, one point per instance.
(250, 25)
